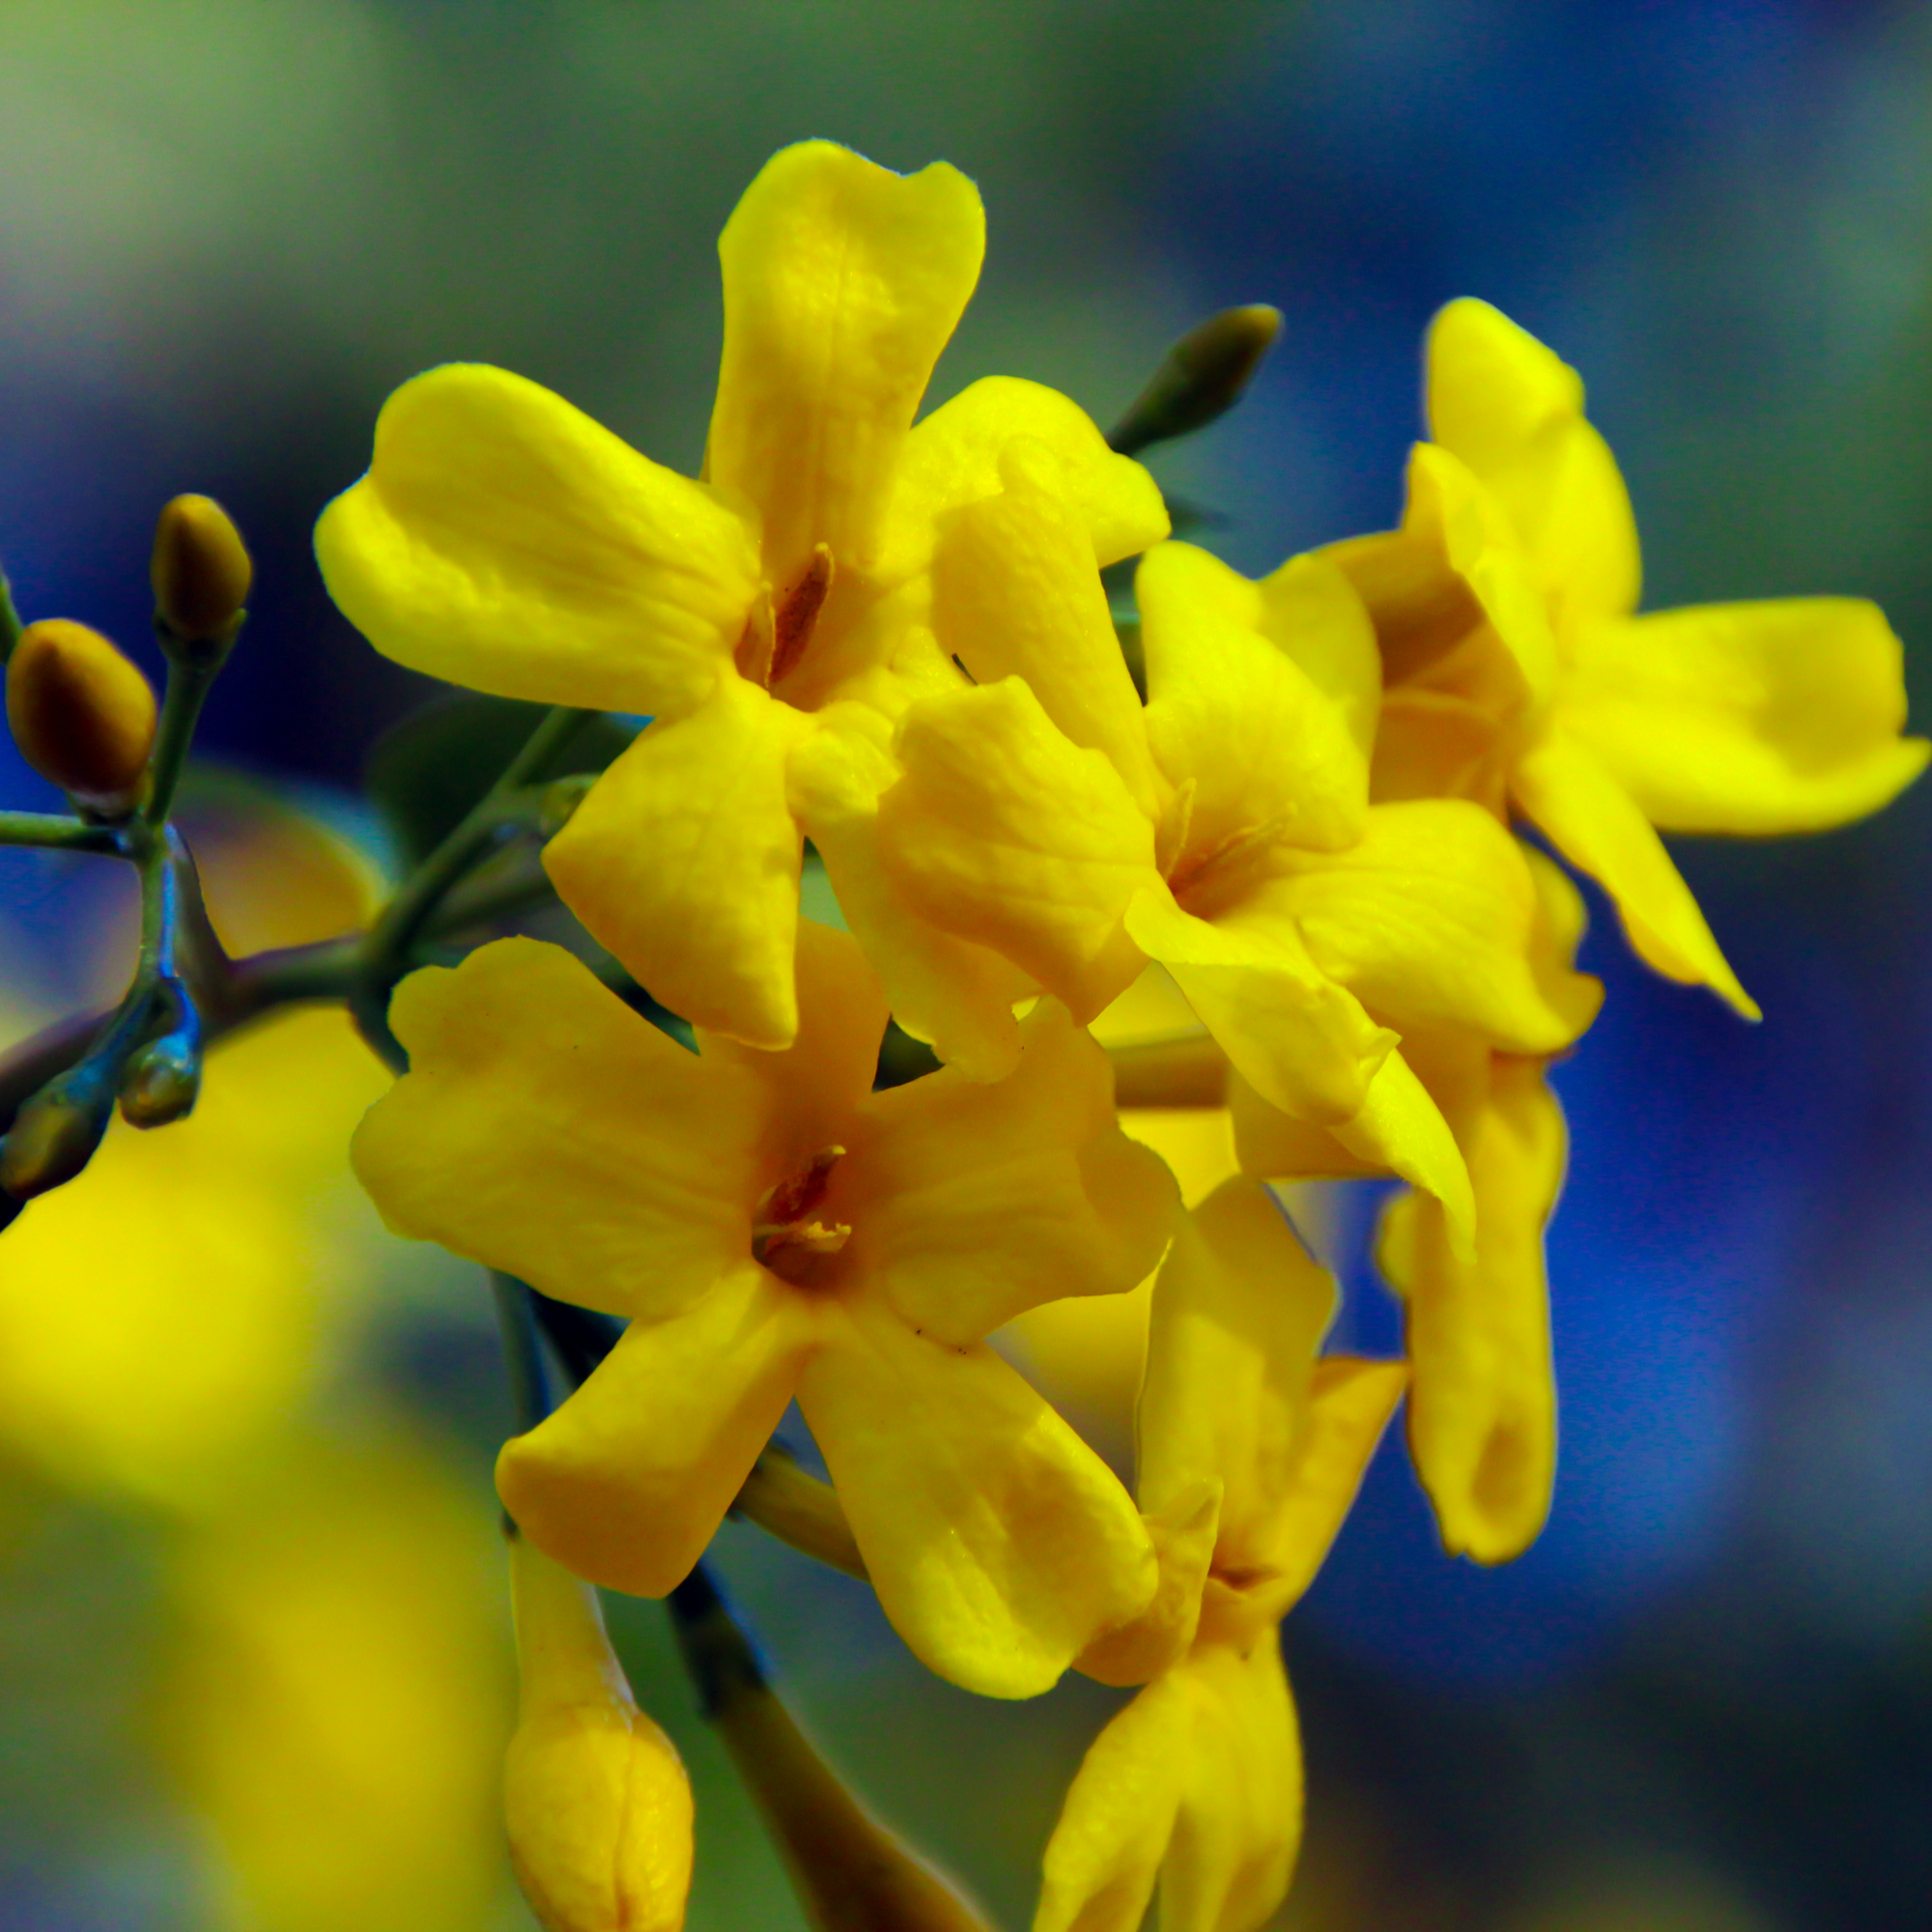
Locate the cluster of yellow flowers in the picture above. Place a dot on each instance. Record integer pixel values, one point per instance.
(891, 639)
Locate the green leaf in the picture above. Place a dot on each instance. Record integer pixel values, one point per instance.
(426, 771)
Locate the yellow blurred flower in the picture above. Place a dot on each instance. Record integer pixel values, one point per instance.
(1517, 674)
(1250, 1453)
(775, 1228)
(335, 1704)
(505, 541)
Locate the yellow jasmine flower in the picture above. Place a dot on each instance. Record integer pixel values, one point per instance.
(1519, 674)
(1224, 828)
(776, 1228)
(503, 540)
(1482, 1403)
(1251, 1451)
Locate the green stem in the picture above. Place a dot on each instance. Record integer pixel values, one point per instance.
(190, 677)
(10, 626)
(522, 1349)
(55, 829)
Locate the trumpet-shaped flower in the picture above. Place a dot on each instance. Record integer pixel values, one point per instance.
(1482, 1403)
(1518, 675)
(1251, 1451)
(774, 1228)
(503, 540)
(1224, 828)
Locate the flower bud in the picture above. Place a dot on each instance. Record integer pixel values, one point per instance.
(54, 1135)
(1201, 378)
(595, 1798)
(560, 802)
(161, 1083)
(201, 570)
(847, 1869)
(81, 713)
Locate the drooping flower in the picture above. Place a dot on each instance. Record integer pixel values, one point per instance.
(503, 540)
(1518, 674)
(1251, 1450)
(1224, 828)
(774, 1228)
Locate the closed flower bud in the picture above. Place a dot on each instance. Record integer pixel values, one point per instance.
(82, 715)
(595, 1798)
(201, 570)
(54, 1135)
(161, 1083)
(560, 802)
(1201, 378)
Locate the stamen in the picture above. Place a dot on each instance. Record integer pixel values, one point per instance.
(780, 1221)
(798, 614)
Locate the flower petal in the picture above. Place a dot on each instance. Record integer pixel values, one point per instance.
(842, 283)
(1231, 711)
(503, 540)
(626, 1483)
(1482, 1416)
(1756, 717)
(1017, 593)
(684, 861)
(1107, 1847)
(1239, 1824)
(1514, 412)
(1004, 833)
(956, 996)
(983, 1200)
(1599, 829)
(1303, 1040)
(546, 1129)
(1431, 920)
(1239, 1310)
(999, 1543)
(952, 458)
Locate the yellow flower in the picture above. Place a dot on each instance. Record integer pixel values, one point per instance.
(335, 1695)
(503, 540)
(1251, 1451)
(774, 1228)
(1224, 828)
(595, 1796)
(1481, 1403)
(1518, 674)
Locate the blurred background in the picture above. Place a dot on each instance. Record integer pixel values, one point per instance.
(250, 1615)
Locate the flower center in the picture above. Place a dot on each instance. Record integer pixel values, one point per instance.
(779, 629)
(787, 1237)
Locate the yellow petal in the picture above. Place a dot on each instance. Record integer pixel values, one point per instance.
(503, 540)
(546, 1129)
(1598, 828)
(1239, 1824)
(1312, 611)
(1514, 412)
(1004, 833)
(842, 283)
(1303, 1040)
(627, 1481)
(1234, 715)
(1015, 593)
(1432, 744)
(684, 861)
(1431, 921)
(1350, 1404)
(1482, 1417)
(999, 1543)
(1107, 1847)
(1400, 1129)
(952, 458)
(1238, 1312)
(981, 1201)
(956, 996)
(1183, 1535)
(1756, 717)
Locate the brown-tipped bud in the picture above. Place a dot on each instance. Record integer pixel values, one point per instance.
(161, 1083)
(595, 1798)
(54, 1136)
(81, 713)
(201, 570)
(1201, 378)
(846, 1868)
